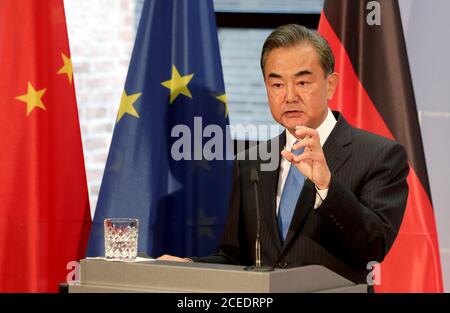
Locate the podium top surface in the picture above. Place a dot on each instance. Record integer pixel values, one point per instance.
(169, 276)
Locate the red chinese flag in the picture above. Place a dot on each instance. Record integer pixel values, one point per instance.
(376, 93)
(44, 208)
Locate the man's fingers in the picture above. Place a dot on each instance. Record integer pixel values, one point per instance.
(303, 131)
(288, 155)
(310, 139)
(308, 156)
(306, 142)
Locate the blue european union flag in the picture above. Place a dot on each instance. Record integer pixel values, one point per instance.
(167, 164)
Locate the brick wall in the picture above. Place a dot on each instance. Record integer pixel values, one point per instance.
(101, 41)
(240, 52)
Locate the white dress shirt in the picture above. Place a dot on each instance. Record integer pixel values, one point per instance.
(324, 131)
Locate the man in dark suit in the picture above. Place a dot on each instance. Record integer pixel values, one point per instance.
(338, 196)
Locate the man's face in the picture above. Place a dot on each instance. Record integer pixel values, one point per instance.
(297, 88)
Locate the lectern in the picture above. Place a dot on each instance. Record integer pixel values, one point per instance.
(162, 276)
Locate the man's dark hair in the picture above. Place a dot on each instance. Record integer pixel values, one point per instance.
(291, 35)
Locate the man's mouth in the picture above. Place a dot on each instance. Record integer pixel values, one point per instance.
(292, 113)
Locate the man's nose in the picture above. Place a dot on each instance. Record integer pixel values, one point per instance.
(291, 94)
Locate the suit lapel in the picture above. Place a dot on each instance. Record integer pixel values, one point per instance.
(334, 147)
(269, 182)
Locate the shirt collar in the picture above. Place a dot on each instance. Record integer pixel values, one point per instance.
(324, 131)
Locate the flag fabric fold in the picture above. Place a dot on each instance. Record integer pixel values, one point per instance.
(376, 94)
(43, 199)
(166, 165)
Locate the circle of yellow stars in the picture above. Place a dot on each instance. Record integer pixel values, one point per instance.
(177, 85)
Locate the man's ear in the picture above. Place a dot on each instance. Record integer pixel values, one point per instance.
(332, 82)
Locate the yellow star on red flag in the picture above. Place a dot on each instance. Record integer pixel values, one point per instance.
(66, 68)
(32, 98)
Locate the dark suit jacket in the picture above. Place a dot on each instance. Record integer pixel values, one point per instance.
(356, 223)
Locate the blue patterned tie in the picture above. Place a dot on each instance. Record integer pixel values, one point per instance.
(289, 196)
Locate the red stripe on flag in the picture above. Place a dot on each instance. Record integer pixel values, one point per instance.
(412, 264)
